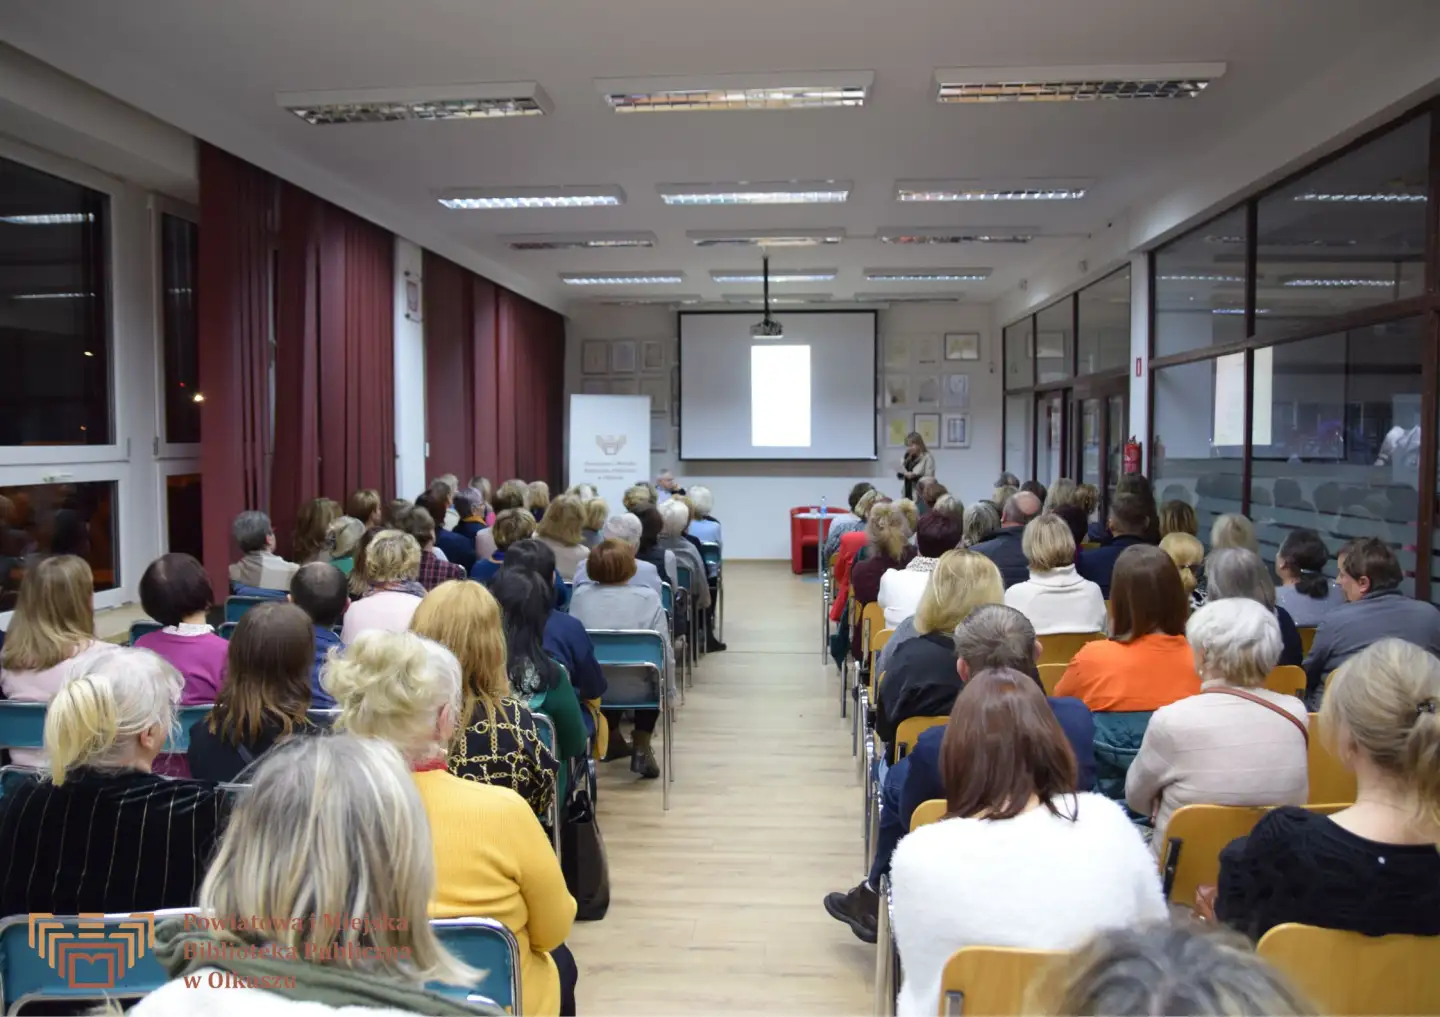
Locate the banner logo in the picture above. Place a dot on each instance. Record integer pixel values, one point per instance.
(92, 953)
(610, 444)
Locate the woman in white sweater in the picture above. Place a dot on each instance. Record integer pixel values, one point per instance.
(1020, 860)
(1055, 598)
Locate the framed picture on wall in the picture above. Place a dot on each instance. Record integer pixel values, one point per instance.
(957, 391)
(594, 386)
(594, 356)
(927, 425)
(1050, 346)
(927, 349)
(625, 386)
(897, 353)
(962, 345)
(412, 296)
(622, 356)
(897, 390)
(927, 392)
(652, 355)
(897, 426)
(957, 430)
(658, 389)
(659, 432)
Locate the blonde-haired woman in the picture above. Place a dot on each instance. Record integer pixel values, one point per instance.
(1233, 530)
(917, 464)
(889, 530)
(51, 634)
(1372, 868)
(341, 540)
(343, 813)
(312, 526)
(146, 839)
(365, 506)
(537, 497)
(496, 740)
(491, 855)
(596, 513)
(1188, 554)
(920, 675)
(511, 526)
(390, 570)
(1178, 516)
(513, 494)
(1055, 598)
(636, 497)
(850, 546)
(1062, 492)
(563, 530)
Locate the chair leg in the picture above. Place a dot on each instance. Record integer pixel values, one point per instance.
(884, 968)
(667, 770)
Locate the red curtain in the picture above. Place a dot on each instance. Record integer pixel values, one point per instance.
(237, 206)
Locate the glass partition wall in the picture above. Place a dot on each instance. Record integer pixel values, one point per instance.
(1293, 354)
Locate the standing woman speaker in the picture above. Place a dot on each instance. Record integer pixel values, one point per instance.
(918, 463)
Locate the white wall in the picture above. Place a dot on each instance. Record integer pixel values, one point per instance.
(410, 448)
(753, 499)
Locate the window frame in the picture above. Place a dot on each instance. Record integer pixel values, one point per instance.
(161, 206)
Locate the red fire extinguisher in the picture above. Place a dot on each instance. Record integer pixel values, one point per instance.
(1132, 456)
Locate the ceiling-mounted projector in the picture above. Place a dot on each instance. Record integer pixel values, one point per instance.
(769, 328)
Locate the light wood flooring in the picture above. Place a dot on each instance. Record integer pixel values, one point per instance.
(716, 905)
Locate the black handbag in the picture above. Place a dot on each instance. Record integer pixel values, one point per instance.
(582, 859)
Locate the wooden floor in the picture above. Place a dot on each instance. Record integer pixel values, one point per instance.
(716, 905)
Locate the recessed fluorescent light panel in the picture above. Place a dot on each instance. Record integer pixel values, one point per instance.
(531, 197)
(785, 299)
(1202, 278)
(764, 238)
(621, 278)
(51, 296)
(787, 275)
(52, 219)
(1074, 84)
(908, 298)
(678, 298)
(1377, 198)
(811, 90)
(442, 102)
(789, 192)
(961, 235)
(982, 190)
(926, 274)
(1340, 284)
(578, 241)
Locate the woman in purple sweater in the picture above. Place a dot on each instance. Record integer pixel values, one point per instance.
(176, 592)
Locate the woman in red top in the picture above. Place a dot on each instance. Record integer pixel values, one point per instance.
(850, 545)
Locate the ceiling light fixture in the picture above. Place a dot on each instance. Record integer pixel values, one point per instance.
(790, 275)
(50, 219)
(784, 300)
(1315, 283)
(982, 190)
(927, 274)
(678, 298)
(442, 102)
(621, 278)
(1377, 198)
(577, 241)
(909, 298)
(51, 296)
(560, 196)
(1073, 84)
(1203, 278)
(789, 192)
(809, 90)
(764, 238)
(1238, 310)
(961, 235)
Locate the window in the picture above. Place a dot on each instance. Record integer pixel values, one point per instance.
(1200, 287)
(1020, 355)
(54, 322)
(183, 514)
(179, 248)
(1193, 404)
(1104, 332)
(43, 519)
(1017, 435)
(1049, 431)
(1054, 341)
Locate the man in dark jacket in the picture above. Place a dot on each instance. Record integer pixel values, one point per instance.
(1129, 521)
(1004, 547)
(993, 636)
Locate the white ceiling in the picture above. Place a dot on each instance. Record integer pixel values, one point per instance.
(213, 69)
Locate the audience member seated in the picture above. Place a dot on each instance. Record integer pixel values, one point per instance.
(982, 520)
(1055, 598)
(1129, 523)
(330, 809)
(1144, 665)
(854, 521)
(319, 591)
(1062, 492)
(1007, 479)
(510, 525)
(563, 529)
(624, 527)
(1233, 530)
(537, 498)
(889, 549)
(1021, 859)
(1375, 607)
(704, 527)
(469, 505)
(525, 602)
(365, 505)
(920, 677)
(356, 582)
(260, 569)
(1037, 489)
(51, 636)
(1134, 484)
(175, 591)
(901, 588)
(312, 527)
(1077, 521)
(393, 512)
(666, 487)
(341, 540)
(1087, 499)
(445, 487)
(492, 857)
(434, 570)
(482, 504)
(457, 549)
(1003, 494)
(1178, 517)
(951, 508)
(928, 491)
(1236, 743)
(610, 601)
(651, 526)
(992, 636)
(391, 570)
(1305, 591)
(1188, 554)
(675, 514)
(1004, 547)
(565, 637)
(1235, 572)
(103, 730)
(637, 496)
(1171, 968)
(511, 495)
(1371, 868)
(265, 697)
(498, 741)
(596, 512)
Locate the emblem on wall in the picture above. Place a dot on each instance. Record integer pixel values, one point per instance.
(610, 444)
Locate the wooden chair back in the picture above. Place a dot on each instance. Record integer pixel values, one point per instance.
(990, 981)
(1060, 647)
(1288, 680)
(1307, 638)
(1050, 675)
(1193, 841)
(932, 810)
(872, 621)
(1345, 973)
(1329, 780)
(877, 643)
(910, 730)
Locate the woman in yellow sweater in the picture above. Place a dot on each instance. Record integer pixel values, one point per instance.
(492, 858)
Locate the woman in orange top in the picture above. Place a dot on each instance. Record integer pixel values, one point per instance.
(1146, 663)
